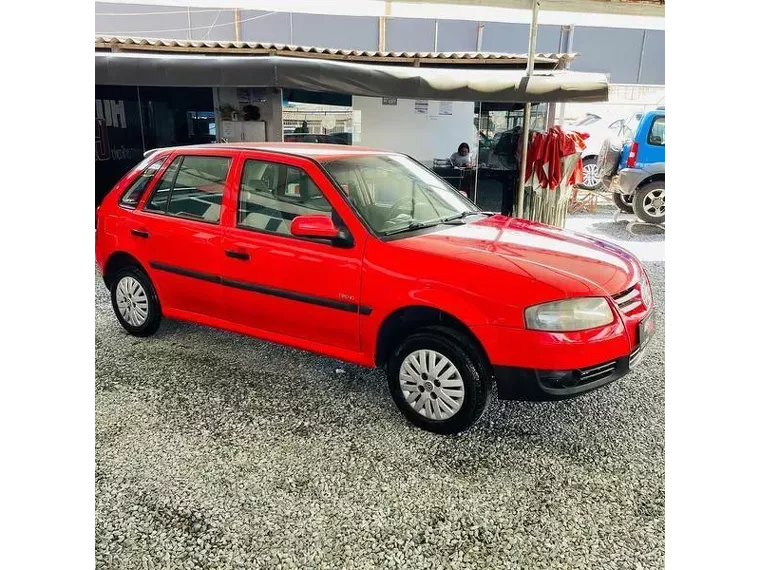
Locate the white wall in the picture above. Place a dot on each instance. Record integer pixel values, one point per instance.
(270, 109)
(624, 100)
(424, 137)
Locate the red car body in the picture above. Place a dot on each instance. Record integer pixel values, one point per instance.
(345, 302)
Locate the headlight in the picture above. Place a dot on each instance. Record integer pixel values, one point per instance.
(569, 315)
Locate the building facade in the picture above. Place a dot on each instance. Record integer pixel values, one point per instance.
(135, 116)
(624, 50)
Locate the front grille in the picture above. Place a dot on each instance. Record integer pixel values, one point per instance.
(629, 301)
(597, 372)
(564, 379)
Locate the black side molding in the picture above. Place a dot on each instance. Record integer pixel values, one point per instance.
(264, 289)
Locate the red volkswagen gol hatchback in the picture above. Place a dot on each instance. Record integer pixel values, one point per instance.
(368, 257)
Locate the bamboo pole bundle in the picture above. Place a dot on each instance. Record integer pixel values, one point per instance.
(541, 202)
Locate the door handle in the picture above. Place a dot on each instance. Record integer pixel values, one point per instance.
(140, 233)
(237, 255)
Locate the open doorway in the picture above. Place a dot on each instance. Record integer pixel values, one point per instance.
(311, 117)
(499, 127)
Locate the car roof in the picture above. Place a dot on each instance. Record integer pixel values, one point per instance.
(318, 151)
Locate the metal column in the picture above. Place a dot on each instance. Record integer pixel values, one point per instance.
(526, 114)
(568, 48)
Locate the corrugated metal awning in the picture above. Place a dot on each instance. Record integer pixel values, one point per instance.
(221, 48)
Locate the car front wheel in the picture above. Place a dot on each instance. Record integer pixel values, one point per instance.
(135, 302)
(438, 380)
(649, 202)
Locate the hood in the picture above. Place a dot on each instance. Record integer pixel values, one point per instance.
(594, 129)
(573, 263)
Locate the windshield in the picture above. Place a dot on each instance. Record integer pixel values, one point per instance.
(587, 120)
(628, 130)
(393, 193)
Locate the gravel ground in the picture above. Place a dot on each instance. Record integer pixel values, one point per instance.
(215, 450)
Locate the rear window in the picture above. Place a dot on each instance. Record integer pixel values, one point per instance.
(134, 192)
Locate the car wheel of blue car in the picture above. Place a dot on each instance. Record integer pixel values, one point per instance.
(649, 202)
(623, 202)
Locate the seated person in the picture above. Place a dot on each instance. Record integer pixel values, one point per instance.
(462, 157)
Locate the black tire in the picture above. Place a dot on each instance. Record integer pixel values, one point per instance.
(472, 368)
(646, 201)
(623, 203)
(589, 162)
(153, 318)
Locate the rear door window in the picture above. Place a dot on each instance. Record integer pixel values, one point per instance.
(192, 187)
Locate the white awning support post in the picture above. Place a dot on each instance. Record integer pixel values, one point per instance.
(526, 114)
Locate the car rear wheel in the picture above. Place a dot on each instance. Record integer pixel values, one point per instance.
(591, 178)
(649, 202)
(135, 302)
(623, 202)
(438, 380)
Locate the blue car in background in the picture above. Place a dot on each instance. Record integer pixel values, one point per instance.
(637, 174)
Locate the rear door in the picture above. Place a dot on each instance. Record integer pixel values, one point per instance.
(302, 288)
(181, 234)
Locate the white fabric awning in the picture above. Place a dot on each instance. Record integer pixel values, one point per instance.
(334, 76)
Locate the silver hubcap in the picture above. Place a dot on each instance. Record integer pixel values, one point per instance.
(590, 174)
(431, 384)
(132, 301)
(654, 202)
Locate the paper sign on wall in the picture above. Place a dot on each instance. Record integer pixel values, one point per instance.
(243, 96)
(421, 107)
(445, 108)
(228, 130)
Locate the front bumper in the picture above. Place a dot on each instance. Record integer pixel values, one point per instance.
(530, 384)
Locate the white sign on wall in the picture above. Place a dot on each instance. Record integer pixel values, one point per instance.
(356, 126)
(243, 96)
(421, 107)
(445, 108)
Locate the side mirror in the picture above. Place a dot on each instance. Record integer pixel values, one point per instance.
(320, 226)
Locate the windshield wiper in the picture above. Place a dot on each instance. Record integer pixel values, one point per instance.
(411, 227)
(419, 225)
(463, 215)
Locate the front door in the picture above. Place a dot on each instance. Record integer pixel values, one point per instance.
(180, 228)
(301, 288)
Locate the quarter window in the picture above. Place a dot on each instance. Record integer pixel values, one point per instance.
(272, 194)
(657, 132)
(192, 187)
(132, 195)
